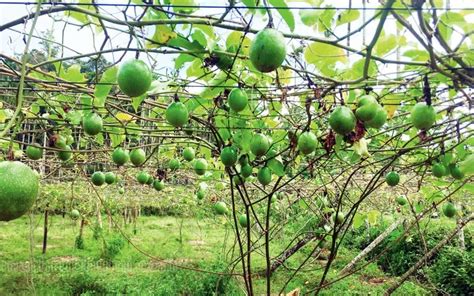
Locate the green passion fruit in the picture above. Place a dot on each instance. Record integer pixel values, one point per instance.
(18, 189)
(137, 157)
(379, 120)
(92, 124)
(246, 170)
(238, 99)
(259, 145)
(264, 176)
(423, 116)
(110, 178)
(120, 156)
(200, 166)
(220, 207)
(143, 177)
(150, 180)
(74, 214)
(338, 219)
(229, 156)
(69, 139)
(158, 185)
(268, 50)
(392, 178)
(243, 221)
(449, 210)
(134, 78)
(439, 170)
(401, 200)
(177, 114)
(174, 164)
(98, 178)
(65, 154)
(238, 180)
(367, 108)
(342, 120)
(189, 153)
(307, 142)
(200, 194)
(455, 172)
(34, 152)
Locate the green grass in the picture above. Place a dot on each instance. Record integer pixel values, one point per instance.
(203, 243)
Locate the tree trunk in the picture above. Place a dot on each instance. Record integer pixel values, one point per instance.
(370, 247)
(428, 256)
(81, 229)
(462, 243)
(99, 215)
(45, 232)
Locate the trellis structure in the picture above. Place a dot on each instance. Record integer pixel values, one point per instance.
(427, 57)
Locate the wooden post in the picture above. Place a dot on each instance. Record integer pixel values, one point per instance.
(45, 232)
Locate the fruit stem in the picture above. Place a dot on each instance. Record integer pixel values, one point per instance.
(427, 90)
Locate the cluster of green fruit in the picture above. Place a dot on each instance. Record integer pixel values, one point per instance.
(61, 143)
(449, 209)
(145, 178)
(221, 208)
(343, 121)
(261, 146)
(439, 170)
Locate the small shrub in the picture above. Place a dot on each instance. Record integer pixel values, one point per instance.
(453, 271)
(198, 283)
(79, 243)
(402, 253)
(96, 231)
(112, 249)
(83, 283)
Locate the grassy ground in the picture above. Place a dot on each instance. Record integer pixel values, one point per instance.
(205, 243)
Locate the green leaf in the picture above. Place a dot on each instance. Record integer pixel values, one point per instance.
(285, 13)
(347, 16)
(102, 89)
(185, 10)
(242, 140)
(182, 59)
(79, 16)
(447, 158)
(74, 116)
(417, 55)
(224, 133)
(73, 74)
(116, 136)
(250, 3)
(182, 42)
(467, 165)
(309, 17)
(326, 19)
(387, 43)
(86, 103)
(357, 69)
(372, 217)
(358, 220)
(324, 56)
(199, 36)
(136, 102)
(276, 167)
(448, 20)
